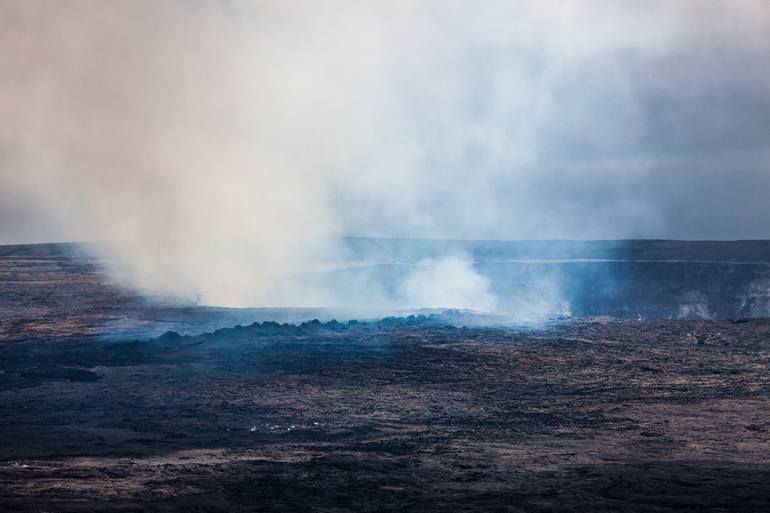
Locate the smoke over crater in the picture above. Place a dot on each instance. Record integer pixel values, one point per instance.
(222, 147)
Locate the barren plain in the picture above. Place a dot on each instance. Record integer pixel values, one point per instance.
(98, 412)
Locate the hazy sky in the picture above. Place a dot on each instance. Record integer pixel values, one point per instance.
(208, 134)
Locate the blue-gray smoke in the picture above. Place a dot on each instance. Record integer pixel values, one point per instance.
(223, 146)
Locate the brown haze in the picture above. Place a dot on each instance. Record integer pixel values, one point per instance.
(215, 142)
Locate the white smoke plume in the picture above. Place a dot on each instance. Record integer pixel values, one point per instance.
(219, 145)
(450, 282)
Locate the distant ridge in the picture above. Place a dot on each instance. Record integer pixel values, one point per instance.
(373, 248)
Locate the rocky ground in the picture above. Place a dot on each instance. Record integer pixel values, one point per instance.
(403, 414)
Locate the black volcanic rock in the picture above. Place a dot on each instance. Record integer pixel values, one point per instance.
(393, 415)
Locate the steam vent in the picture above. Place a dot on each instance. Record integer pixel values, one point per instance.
(368, 257)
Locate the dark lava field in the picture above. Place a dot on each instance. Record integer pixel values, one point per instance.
(100, 411)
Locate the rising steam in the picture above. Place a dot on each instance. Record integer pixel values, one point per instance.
(222, 145)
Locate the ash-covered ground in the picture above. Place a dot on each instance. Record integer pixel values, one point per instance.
(402, 414)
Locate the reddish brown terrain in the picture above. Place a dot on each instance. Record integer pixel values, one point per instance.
(401, 414)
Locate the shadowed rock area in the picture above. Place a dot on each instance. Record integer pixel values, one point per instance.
(403, 414)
